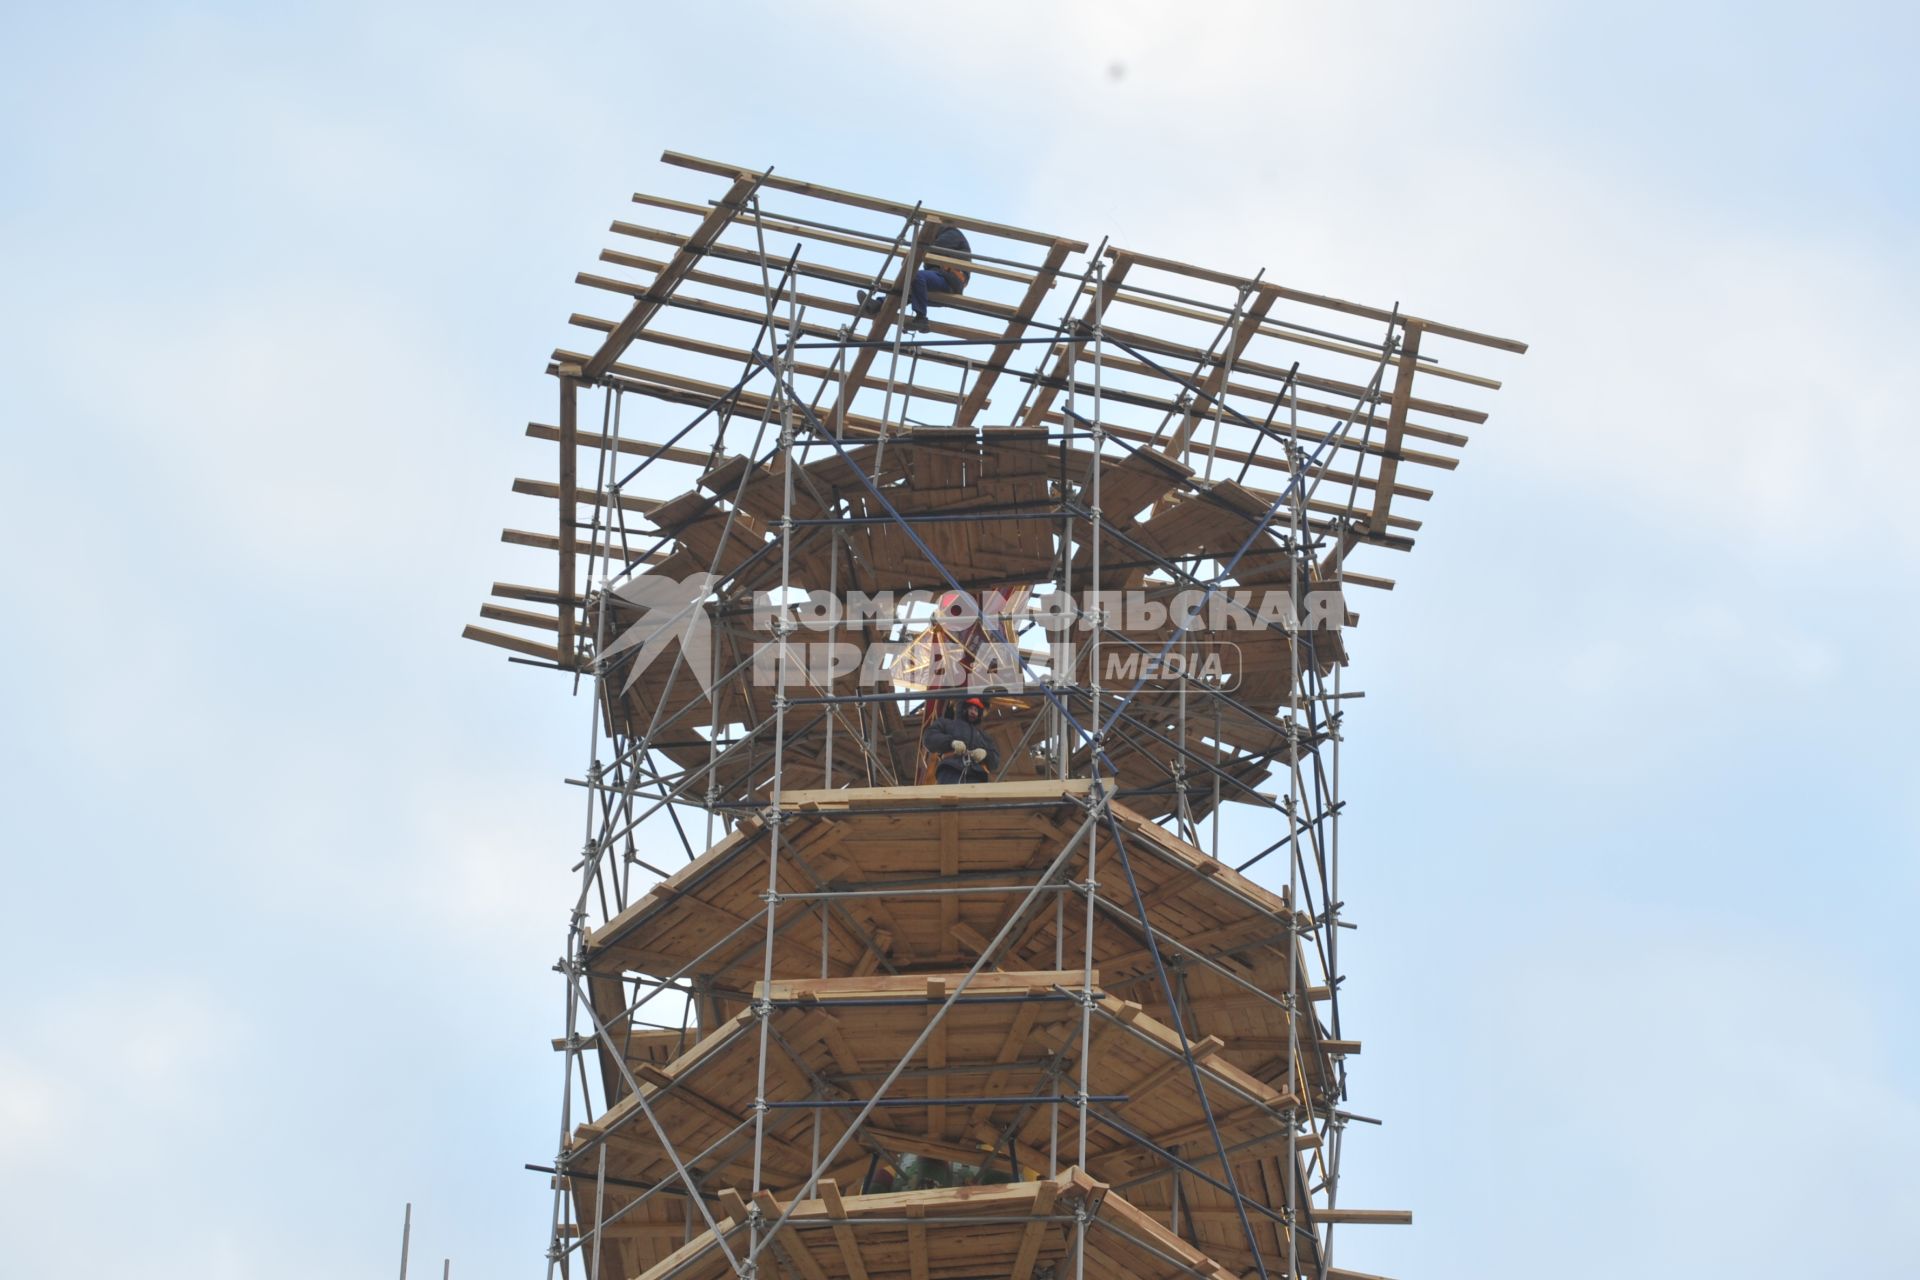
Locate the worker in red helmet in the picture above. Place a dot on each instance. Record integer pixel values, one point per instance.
(966, 753)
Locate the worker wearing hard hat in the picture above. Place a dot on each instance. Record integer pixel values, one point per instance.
(966, 753)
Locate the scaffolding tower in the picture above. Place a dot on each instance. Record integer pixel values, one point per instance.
(826, 1020)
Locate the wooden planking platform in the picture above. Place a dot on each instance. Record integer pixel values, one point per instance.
(1015, 1230)
(1230, 934)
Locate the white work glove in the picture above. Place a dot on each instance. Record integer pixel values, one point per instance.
(978, 754)
(958, 746)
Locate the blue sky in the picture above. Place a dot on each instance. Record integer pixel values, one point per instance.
(1634, 832)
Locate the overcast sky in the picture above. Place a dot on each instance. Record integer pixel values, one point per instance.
(1633, 826)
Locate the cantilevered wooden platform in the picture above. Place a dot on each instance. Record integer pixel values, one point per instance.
(706, 922)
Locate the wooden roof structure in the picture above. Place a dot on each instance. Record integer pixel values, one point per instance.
(1127, 1051)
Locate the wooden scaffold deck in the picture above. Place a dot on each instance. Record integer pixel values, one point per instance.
(829, 1020)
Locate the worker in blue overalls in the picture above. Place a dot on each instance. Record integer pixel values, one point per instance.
(948, 241)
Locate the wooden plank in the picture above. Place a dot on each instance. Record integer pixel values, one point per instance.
(949, 867)
(684, 301)
(1043, 281)
(1016, 1040)
(1375, 313)
(1349, 439)
(1202, 408)
(569, 460)
(917, 1241)
(664, 284)
(571, 500)
(1031, 1234)
(1396, 427)
(1166, 1072)
(1070, 352)
(1338, 412)
(843, 1234)
(791, 1242)
(733, 1205)
(548, 542)
(862, 359)
(801, 369)
(873, 204)
(1330, 303)
(937, 1063)
(1131, 296)
(933, 797)
(806, 268)
(679, 389)
(829, 989)
(1373, 1217)
(515, 644)
(645, 448)
(522, 617)
(853, 238)
(520, 591)
(1274, 463)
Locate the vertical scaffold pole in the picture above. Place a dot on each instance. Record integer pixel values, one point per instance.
(1296, 1082)
(1094, 754)
(783, 627)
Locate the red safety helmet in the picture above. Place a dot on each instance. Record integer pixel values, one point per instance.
(976, 702)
